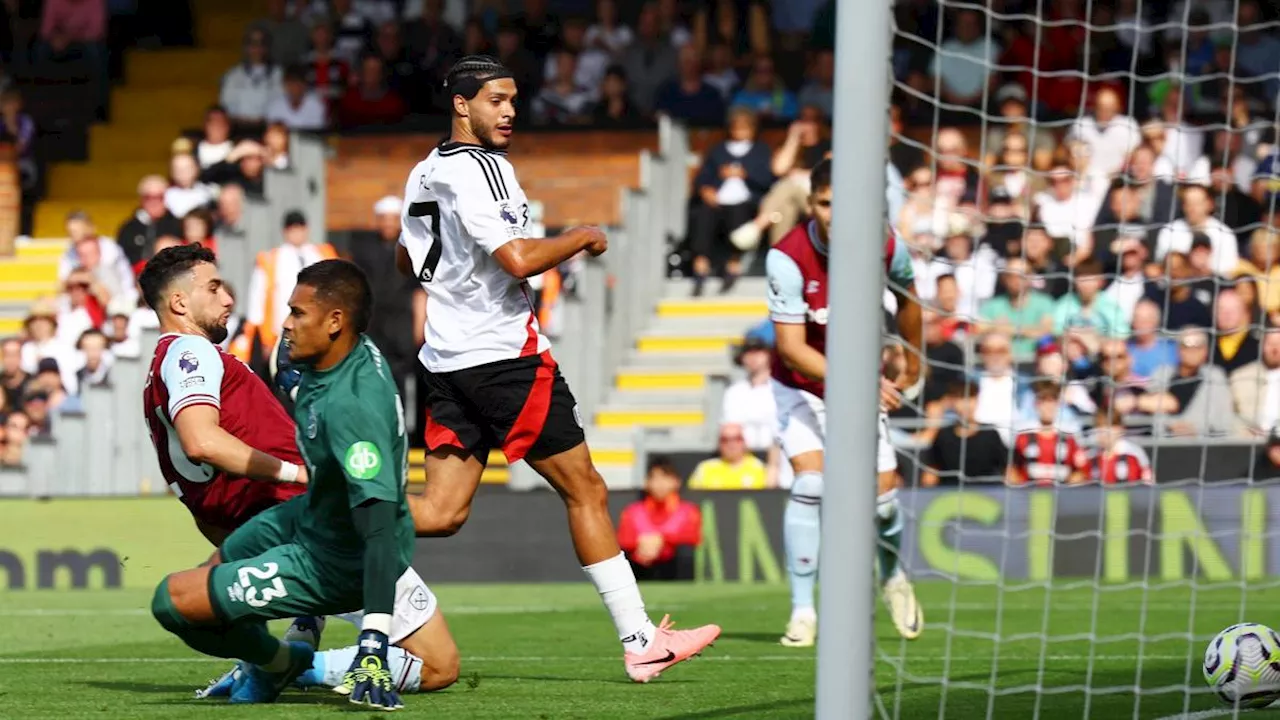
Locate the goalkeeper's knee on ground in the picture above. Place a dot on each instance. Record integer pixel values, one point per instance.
(165, 612)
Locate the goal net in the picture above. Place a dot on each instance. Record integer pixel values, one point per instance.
(1088, 193)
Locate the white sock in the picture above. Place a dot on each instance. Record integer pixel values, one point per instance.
(804, 613)
(330, 666)
(280, 662)
(617, 587)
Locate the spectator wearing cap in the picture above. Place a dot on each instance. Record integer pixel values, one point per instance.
(1011, 100)
(659, 532)
(687, 96)
(138, 234)
(733, 467)
(1088, 307)
(734, 176)
(972, 265)
(1149, 349)
(649, 60)
(297, 106)
(371, 101)
(1067, 212)
(748, 401)
(1110, 134)
(1255, 388)
(13, 378)
(1021, 312)
(1197, 210)
(1194, 398)
(1235, 344)
(248, 87)
(787, 201)
(399, 303)
(275, 274)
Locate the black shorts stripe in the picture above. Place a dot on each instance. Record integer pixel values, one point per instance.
(497, 174)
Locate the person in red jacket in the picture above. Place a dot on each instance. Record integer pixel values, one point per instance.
(658, 532)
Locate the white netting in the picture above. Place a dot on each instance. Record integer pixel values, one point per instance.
(1131, 217)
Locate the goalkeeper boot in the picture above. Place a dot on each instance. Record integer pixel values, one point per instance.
(802, 630)
(900, 597)
(667, 648)
(220, 687)
(256, 685)
(307, 629)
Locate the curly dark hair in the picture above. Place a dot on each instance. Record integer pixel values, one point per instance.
(166, 266)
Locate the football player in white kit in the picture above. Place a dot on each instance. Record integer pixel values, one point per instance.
(491, 381)
(797, 275)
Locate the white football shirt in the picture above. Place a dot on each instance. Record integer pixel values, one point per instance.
(461, 204)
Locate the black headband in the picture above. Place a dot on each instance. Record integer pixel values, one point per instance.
(468, 86)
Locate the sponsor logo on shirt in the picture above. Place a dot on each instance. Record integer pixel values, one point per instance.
(193, 381)
(362, 460)
(187, 362)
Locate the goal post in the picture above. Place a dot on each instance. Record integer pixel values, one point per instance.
(846, 563)
(1042, 599)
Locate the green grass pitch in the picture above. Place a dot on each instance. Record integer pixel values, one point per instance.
(547, 651)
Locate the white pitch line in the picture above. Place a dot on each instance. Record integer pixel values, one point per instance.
(1202, 715)
(582, 658)
(131, 612)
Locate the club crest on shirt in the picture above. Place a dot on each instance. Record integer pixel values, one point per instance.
(187, 362)
(313, 423)
(508, 213)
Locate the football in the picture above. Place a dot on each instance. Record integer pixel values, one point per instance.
(1242, 665)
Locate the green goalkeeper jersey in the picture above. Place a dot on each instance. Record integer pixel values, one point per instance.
(351, 432)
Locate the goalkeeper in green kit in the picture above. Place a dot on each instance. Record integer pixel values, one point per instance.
(340, 547)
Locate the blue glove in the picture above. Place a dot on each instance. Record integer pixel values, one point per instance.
(287, 375)
(369, 681)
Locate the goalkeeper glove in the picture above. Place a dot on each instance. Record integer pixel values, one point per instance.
(287, 375)
(369, 680)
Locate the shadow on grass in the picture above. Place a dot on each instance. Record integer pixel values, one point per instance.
(554, 678)
(184, 694)
(755, 637)
(794, 708)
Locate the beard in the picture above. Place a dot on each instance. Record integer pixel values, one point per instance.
(487, 137)
(215, 331)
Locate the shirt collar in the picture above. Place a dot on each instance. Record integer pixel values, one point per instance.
(818, 245)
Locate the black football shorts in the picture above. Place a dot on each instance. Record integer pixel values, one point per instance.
(522, 406)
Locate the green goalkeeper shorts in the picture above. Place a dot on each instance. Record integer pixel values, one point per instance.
(265, 575)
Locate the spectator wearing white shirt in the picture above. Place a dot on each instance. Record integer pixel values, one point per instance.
(749, 401)
(591, 62)
(997, 385)
(1129, 284)
(965, 63)
(248, 87)
(43, 341)
(297, 106)
(1183, 145)
(185, 192)
(1110, 135)
(123, 336)
(1255, 388)
(607, 33)
(1166, 141)
(216, 144)
(94, 360)
(974, 268)
(1197, 211)
(1067, 211)
(106, 260)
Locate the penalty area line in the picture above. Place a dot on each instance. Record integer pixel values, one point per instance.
(1205, 714)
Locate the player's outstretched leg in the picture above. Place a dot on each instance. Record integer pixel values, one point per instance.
(182, 605)
(425, 660)
(647, 650)
(802, 534)
(898, 593)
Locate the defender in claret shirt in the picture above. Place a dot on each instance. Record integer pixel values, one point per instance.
(491, 381)
(346, 544)
(797, 274)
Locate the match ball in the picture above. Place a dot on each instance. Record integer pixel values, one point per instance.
(1242, 665)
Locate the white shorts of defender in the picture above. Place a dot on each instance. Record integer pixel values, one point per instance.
(802, 426)
(415, 604)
